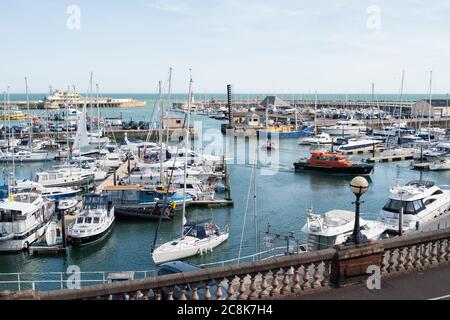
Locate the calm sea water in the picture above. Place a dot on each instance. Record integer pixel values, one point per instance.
(282, 200)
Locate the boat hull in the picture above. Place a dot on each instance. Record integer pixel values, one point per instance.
(178, 253)
(360, 169)
(91, 239)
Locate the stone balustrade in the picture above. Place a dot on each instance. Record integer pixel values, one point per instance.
(280, 277)
(272, 278)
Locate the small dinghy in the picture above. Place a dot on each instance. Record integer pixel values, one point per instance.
(50, 234)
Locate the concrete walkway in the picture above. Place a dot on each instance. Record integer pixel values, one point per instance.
(433, 283)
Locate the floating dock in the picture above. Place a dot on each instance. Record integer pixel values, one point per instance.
(212, 203)
(122, 171)
(356, 152)
(421, 166)
(391, 158)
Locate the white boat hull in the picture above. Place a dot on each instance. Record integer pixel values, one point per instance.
(187, 247)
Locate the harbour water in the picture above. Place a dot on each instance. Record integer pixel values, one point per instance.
(282, 200)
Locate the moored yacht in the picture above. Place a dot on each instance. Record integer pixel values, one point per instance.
(197, 238)
(93, 222)
(335, 226)
(345, 128)
(358, 145)
(332, 163)
(320, 139)
(24, 218)
(63, 177)
(421, 201)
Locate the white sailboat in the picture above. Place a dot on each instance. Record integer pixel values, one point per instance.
(198, 238)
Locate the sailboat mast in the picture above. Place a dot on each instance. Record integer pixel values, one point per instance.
(98, 115)
(255, 216)
(315, 113)
(30, 142)
(429, 111)
(168, 106)
(186, 140)
(90, 98)
(401, 97)
(160, 105)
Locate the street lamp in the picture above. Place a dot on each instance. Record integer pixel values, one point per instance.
(359, 186)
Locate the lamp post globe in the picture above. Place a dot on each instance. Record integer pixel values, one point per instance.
(359, 186)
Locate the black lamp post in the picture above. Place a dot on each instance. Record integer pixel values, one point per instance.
(359, 186)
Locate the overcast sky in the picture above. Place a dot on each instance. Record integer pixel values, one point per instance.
(279, 46)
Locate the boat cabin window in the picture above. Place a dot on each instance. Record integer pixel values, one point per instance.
(44, 178)
(80, 220)
(96, 219)
(60, 176)
(409, 207)
(52, 177)
(437, 192)
(88, 220)
(429, 201)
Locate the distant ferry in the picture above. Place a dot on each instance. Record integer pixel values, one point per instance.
(332, 163)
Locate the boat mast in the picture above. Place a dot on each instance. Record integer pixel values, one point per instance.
(30, 142)
(401, 98)
(255, 213)
(98, 115)
(160, 105)
(429, 111)
(315, 113)
(90, 99)
(186, 140)
(168, 107)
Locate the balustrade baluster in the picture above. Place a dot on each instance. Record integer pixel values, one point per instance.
(392, 261)
(306, 283)
(230, 292)
(418, 257)
(253, 289)
(441, 257)
(286, 289)
(297, 282)
(426, 255)
(242, 289)
(264, 285)
(275, 284)
(447, 255)
(401, 260)
(183, 293)
(316, 276)
(170, 294)
(409, 258)
(207, 291)
(326, 274)
(219, 292)
(434, 253)
(194, 295)
(385, 261)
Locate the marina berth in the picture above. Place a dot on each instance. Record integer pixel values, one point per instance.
(319, 139)
(334, 163)
(416, 204)
(24, 217)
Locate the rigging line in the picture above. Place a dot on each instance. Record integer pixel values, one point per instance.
(245, 214)
(166, 196)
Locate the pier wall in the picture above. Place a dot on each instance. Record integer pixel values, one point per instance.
(281, 277)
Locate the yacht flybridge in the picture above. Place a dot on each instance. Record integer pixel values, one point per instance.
(421, 201)
(335, 227)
